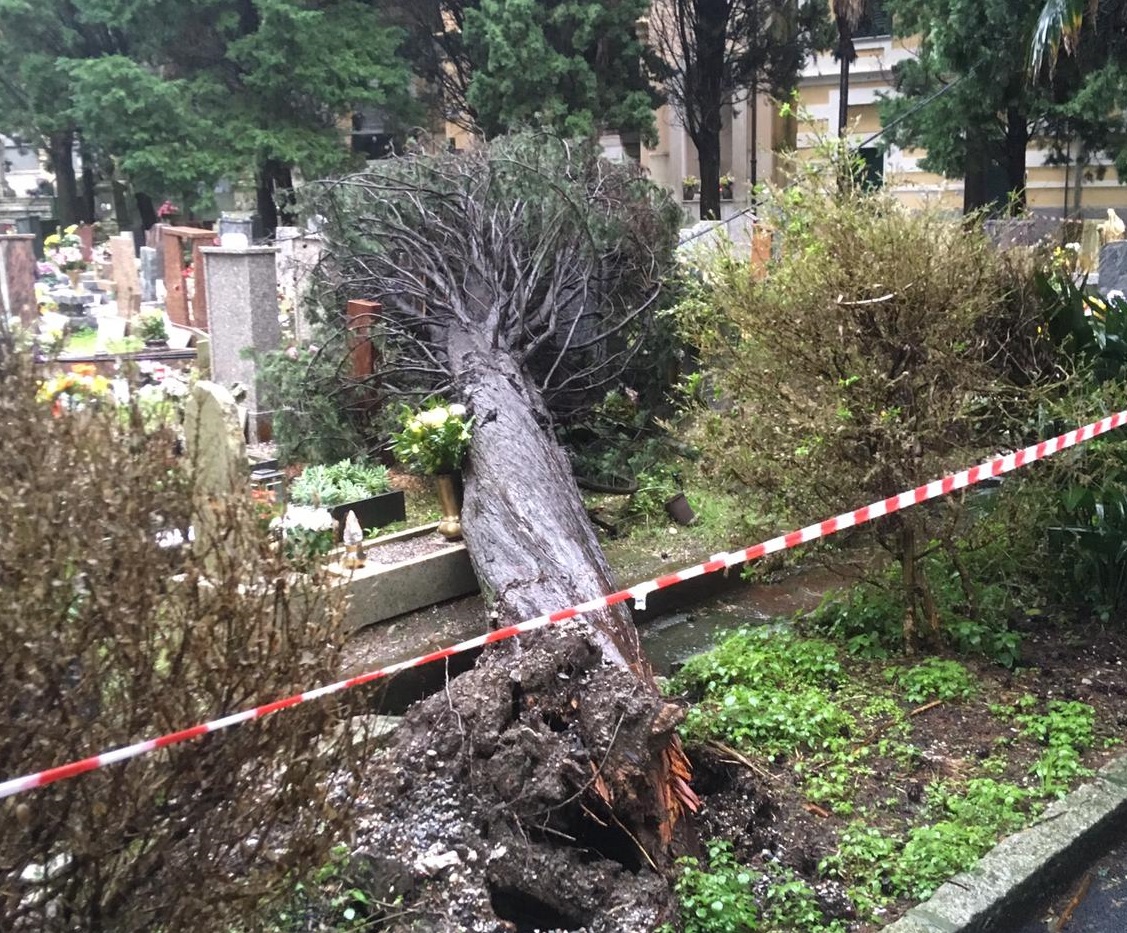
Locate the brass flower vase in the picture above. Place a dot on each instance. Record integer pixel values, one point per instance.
(451, 525)
(74, 275)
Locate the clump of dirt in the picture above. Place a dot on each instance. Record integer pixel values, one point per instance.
(507, 800)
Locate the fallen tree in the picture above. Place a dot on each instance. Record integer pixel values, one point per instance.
(547, 787)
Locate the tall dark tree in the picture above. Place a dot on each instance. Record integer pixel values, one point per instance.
(712, 53)
(570, 66)
(37, 42)
(847, 16)
(518, 278)
(174, 95)
(980, 128)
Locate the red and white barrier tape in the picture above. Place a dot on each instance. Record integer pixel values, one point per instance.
(638, 593)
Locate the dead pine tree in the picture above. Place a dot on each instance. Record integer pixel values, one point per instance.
(519, 278)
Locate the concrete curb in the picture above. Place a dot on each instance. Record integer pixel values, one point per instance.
(1012, 878)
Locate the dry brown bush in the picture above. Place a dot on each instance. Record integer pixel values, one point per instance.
(108, 639)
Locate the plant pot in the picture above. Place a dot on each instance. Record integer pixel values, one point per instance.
(374, 512)
(156, 344)
(727, 192)
(679, 510)
(448, 496)
(688, 192)
(74, 275)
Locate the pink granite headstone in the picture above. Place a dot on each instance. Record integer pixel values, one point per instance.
(17, 277)
(86, 235)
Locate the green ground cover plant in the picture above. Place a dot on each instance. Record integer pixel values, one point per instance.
(844, 735)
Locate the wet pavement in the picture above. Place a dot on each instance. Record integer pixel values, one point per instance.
(1095, 902)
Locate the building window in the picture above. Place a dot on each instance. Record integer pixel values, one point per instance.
(870, 174)
(875, 21)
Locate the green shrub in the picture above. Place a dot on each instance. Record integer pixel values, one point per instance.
(718, 899)
(884, 348)
(932, 679)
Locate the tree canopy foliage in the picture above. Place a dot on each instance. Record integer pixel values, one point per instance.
(171, 97)
(713, 53)
(980, 126)
(574, 67)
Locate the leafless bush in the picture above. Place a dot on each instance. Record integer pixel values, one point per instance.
(110, 638)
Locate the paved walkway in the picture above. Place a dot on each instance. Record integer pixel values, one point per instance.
(1102, 908)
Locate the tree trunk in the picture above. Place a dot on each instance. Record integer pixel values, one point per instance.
(1017, 142)
(921, 618)
(555, 761)
(88, 213)
(846, 56)
(274, 195)
(146, 210)
(708, 153)
(975, 175)
(60, 152)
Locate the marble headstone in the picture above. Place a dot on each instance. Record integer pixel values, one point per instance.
(1113, 267)
(17, 277)
(150, 272)
(217, 455)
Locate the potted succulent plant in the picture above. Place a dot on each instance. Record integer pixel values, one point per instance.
(350, 487)
(690, 185)
(727, 187)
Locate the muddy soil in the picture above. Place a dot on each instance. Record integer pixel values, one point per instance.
(504, 801)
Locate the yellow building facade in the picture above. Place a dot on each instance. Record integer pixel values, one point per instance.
(1052, 190)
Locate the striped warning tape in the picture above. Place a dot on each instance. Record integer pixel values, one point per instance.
(637, 593)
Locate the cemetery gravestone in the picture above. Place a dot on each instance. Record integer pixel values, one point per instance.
(150, 272)
(17, 277)
(1113, 267)
(217, 456)
(244, 224)
(126, 281)
(242, 288)
(298, 255)
(178, 241)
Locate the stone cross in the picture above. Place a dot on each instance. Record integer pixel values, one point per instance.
(126, 281)
(217, 455)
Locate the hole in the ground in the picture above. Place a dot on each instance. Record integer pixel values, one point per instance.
(610, 842)
(555, 720)
(528, 912)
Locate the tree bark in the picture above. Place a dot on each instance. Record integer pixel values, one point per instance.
(88, 213)
(145, 209)
(1017, 142)
(60, 152)
(708, 153)
(275, 181)
(843, 97)
(557, 751)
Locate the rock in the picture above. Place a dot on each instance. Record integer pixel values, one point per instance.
(435, 859)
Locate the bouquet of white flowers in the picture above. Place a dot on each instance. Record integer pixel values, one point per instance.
(434, 440)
